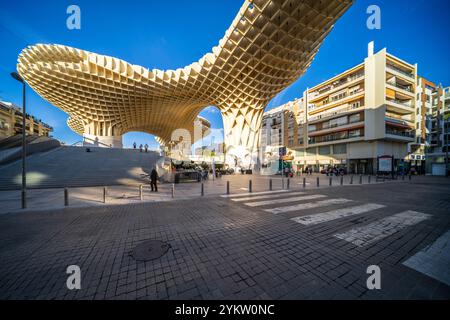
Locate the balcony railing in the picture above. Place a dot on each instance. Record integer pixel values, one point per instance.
(406, 134)
(405, 104)
(323, 139)
(401, 86)
(394, 68)
(333, 113)
(341, 83)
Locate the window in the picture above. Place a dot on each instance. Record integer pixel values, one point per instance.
(355, 105)
(354, 133)
(312, 128)
(340, 149)
(355, 118)
(324, 151)
(311, 151)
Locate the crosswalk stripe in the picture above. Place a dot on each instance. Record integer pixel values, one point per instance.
(434, 260)
(267, 197)
(252, 193)
(287, 200)
(309, 205)
(365, 235)
(336, 214)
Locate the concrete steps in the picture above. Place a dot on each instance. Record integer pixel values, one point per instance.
(74, 167)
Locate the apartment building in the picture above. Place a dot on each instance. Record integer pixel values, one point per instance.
(353, 118)
(284, 126)
(437, 151)
(11, 122)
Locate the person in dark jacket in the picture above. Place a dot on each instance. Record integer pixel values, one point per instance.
(153, 180)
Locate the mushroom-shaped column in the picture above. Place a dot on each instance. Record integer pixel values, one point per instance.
(242, 127)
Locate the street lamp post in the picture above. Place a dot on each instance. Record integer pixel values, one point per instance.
(17, 77)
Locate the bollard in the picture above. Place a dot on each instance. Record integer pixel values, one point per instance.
(270, 185)
(370, 178)
(410, 177)
(403, 177)
(173, 190)
(66, 197)
(228, 187)
(141, 195)
(304, 182)
(351, 180)
(288, 183)
(250, 186)
(318, 182)
(203, 189)
(361, 179)
(104, 194)
(342, 181)
(331, 182)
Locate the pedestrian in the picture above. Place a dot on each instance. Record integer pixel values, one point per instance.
(134, 145)
(153, 180)
(146, 148)
(140, 148)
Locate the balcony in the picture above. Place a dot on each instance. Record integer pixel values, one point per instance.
(336, 86)
(351, 96)
(399, 106)
(398, 70)
(398, 135)
(330, 114)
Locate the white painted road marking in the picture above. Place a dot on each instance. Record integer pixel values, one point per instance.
(309, 205)
(267, 197)
(434, 260)
(252, 193)
(286, 200)
(336, 214)
(383, 228)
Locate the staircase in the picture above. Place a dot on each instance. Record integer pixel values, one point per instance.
(70, 166)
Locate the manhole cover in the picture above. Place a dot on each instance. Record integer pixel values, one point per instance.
(150, 250)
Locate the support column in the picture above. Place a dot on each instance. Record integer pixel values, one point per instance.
(101, 136)
(242, 129)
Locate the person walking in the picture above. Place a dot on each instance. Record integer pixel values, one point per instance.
(134, 145)
(146, 148)
(140, 147)
(153, 180)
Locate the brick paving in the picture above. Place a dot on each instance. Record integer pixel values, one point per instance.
(221, 249)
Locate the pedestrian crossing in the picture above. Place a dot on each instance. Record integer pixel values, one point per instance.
(285, 202)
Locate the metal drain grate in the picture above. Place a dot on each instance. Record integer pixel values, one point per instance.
(150, 250)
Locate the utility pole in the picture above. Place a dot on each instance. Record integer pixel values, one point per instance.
(17, 77)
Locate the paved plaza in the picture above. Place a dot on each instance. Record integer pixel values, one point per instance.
(302, 243)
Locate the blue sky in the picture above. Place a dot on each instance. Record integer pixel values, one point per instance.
(171, 34)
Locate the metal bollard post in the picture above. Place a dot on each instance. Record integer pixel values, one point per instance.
(410, 177)
(250, 186)
(351, 180)
(104, 194)
(331, 182)
(270, 185)
(318, 182)
(203, 189)
(173, 190)
(66, 197)
(403, 177)
(228, 187)
(370, 178)
(288, 183)
(342, 181)
(361, 179)
(304, 182)
(141, 194)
